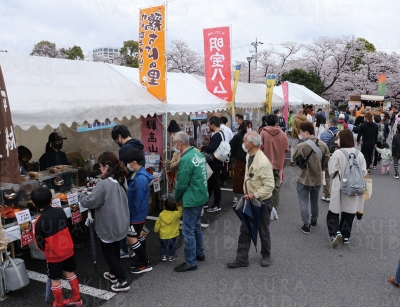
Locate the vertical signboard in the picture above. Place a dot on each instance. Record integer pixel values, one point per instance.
(270, 79)
(217, 61)
(9, 170)
(152, 134)
(285, 90)
(151, 56)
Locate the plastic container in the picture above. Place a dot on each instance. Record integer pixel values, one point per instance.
(16, 277)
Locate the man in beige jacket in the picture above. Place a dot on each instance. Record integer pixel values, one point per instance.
(297, 120)
(310, 178)
(260, 185)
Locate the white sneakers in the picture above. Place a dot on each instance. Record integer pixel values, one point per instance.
(325, 198)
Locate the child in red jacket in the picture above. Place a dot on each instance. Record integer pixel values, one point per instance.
(53, 238)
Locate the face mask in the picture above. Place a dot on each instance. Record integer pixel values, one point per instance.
(174, 149)
(244, 148)
(338, 142)
(58, 146)
(280, 114)
(131, 169)
(300, 137)
(177, 150)
(249, 130)
(119, 144)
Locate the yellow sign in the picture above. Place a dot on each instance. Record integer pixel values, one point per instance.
(269, 93)
(152, 66)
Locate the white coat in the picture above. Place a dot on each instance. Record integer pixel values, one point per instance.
(341, 202)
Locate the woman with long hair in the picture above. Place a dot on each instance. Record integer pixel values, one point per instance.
(341, 203)
(111, 221)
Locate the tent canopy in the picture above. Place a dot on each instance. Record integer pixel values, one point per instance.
(185, 93)
(45, 91)
(305, 95)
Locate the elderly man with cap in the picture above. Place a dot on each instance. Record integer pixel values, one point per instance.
(53, 155)
(259, 183)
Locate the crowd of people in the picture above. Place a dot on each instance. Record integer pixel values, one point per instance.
(320, 145)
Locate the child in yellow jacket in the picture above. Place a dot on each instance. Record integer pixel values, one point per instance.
(167, 225)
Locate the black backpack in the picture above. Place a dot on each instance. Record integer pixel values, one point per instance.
(333, 142)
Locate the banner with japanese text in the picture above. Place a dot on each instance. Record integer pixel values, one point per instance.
(269, 92)
(382, 84)
(152, 134)
(24, 221)
(151, 55)
(217, 61)
(236, 76)
(285, 90)
(9, 170)
(73, 203)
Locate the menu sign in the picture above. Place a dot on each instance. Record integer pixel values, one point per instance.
(9, 171)
(56, 202)
(73, 203)
(24, 220)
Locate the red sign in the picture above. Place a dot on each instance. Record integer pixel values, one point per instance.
(217, 61)
(152, 134)
(9, 171)
(285, 90)
(73, 203)
(25, 226)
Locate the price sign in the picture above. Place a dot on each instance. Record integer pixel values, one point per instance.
(24, 220)
(56, 202)
(156, 183)
(74, 206)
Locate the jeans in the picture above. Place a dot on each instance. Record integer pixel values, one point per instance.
(192, 234)
(304, 193)
(244, 242)
(397, 278)
(168, 243)
(345, 225)
(123, 245)
(112, 257)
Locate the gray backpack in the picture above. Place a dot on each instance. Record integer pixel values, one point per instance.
(353, 181)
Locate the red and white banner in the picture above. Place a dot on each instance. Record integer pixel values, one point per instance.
(24, 220)
(285, 90)
(217, 61)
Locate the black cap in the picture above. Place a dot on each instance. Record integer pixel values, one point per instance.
(173, 127)
(55, 137)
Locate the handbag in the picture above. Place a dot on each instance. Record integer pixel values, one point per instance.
(368, 191)
(274, 214)
(209, 171)
(209, 157)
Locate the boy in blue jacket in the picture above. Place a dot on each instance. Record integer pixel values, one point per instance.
(138, 200)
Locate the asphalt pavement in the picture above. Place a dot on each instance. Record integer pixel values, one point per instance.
(305, 270)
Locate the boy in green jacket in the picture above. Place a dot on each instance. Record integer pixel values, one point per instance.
(167, 225)
(191, 190)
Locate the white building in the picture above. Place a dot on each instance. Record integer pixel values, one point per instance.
(106, 52)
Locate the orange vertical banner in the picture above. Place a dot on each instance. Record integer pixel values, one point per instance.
(151, 57)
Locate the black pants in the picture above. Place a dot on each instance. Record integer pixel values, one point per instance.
(214, 186)
(377, 154)
(224, 172)
(367, 150)
(345, 225)
(112, 257)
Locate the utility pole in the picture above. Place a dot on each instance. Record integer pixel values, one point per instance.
(255, 45)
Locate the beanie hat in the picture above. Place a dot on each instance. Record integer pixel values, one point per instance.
(173, 127)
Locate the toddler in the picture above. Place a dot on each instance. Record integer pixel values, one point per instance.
(167, 225)
(386, 155)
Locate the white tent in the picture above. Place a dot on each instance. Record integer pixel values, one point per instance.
(44, 91)
(305, 95)
(185, 93)
(251, 95)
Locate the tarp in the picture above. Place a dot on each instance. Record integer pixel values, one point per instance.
(45, 91)
(185, 93)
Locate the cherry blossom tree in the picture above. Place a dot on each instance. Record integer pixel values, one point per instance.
(182, 59)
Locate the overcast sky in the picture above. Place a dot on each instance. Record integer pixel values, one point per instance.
(98, 23)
